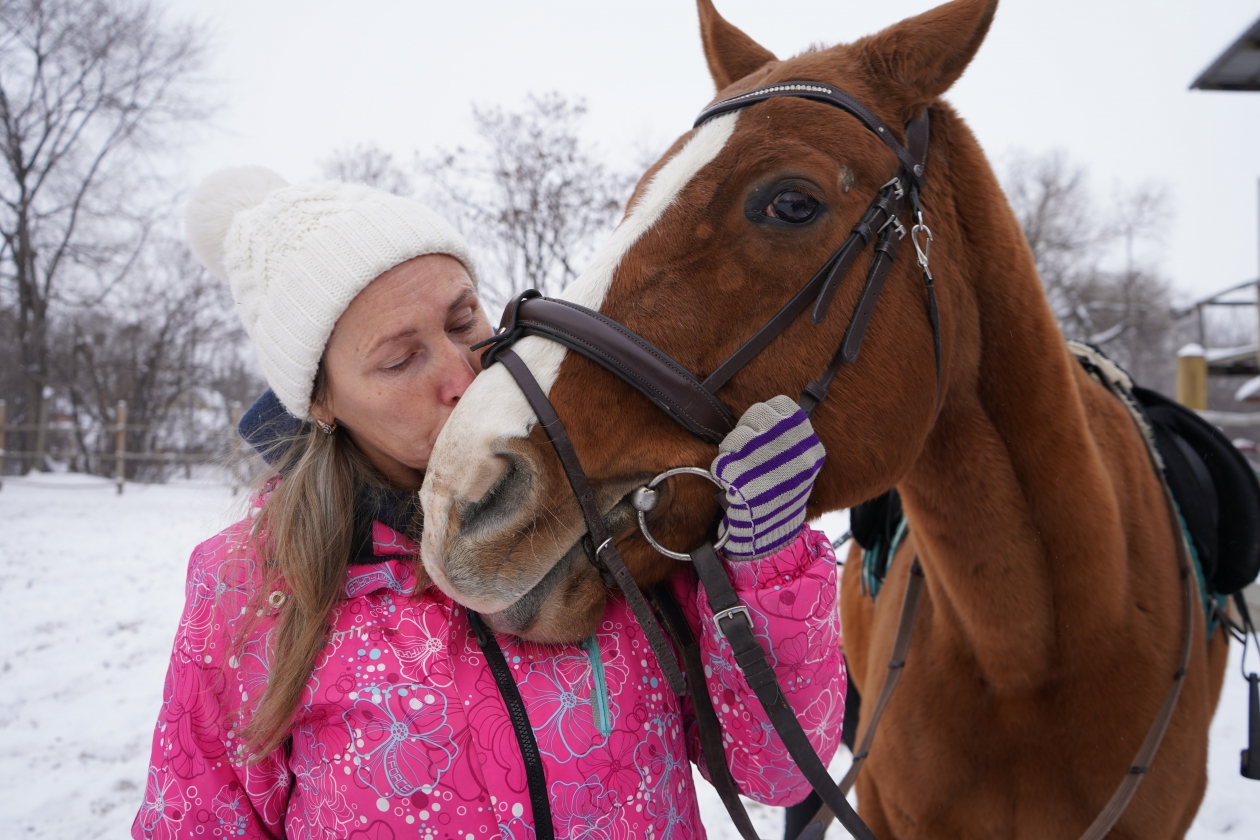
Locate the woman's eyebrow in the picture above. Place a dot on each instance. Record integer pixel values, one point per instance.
(463, 296)
(381, 342)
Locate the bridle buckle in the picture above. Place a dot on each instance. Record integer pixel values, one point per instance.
(898, 190)
(897, 226)
(731, 612)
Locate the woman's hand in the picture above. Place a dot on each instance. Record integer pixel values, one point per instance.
(766, 466)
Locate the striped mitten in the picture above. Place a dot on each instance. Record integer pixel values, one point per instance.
(767, 466)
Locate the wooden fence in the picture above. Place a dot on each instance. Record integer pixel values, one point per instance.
(121, 456)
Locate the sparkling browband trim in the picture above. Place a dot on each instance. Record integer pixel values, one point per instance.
(775, 89)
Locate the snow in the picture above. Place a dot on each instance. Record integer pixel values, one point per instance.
(93, 586)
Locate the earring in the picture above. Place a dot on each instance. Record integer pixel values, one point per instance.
(326, 428)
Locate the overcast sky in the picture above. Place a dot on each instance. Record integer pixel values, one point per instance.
(1105, 80)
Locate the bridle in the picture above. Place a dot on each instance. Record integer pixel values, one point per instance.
(694, 404)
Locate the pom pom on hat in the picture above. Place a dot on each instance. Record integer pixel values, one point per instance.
(296, 256)
(215, 204)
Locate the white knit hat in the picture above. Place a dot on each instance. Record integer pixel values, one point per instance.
(295, 256)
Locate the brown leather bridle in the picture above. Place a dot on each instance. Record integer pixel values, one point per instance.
(694, 404)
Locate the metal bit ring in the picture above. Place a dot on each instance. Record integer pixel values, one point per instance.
(645, 498)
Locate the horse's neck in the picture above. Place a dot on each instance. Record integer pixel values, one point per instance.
(1010, 493)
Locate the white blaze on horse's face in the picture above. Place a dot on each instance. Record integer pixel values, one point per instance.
(464, 465)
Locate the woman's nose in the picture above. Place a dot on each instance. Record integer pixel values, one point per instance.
(457, 375)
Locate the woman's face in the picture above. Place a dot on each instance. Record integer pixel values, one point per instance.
(398, 361)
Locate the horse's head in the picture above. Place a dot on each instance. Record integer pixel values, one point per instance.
(718, 235)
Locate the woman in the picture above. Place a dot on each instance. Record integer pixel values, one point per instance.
(320, 686)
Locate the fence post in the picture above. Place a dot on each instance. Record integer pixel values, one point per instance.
(120, 445)
(3, 438)
(234, 414)
(1192, 377)
(41, 430)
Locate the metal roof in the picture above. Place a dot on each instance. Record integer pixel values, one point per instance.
(1238, 68)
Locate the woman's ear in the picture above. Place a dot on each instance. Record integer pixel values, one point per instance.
(731, 54)
(321, 410)
(923, 56)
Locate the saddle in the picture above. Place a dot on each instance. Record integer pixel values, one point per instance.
(1215, 488)
(1213, 484)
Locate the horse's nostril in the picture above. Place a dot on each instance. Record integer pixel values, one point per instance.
(500, 502)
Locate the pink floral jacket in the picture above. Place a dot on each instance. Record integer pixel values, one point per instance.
(402, 731)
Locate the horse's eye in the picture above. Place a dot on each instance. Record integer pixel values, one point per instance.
(792, 206)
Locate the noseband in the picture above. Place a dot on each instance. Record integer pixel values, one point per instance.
(694, 403)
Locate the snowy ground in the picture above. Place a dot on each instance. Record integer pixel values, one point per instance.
(92, 587)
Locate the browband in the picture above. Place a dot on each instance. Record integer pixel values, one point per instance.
(820, 92)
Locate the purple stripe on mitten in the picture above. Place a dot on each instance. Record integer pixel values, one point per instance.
(767, 466)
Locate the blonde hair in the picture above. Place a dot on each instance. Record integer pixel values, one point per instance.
(305, 531)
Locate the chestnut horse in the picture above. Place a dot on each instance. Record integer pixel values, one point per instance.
(1050, 623)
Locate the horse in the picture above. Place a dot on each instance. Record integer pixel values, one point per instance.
(1049, 623)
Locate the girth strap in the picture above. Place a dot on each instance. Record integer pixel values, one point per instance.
(603, 554)
(733, 622)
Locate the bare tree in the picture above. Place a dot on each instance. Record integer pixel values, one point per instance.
(1051, 200)
(532, 194)
(171, 346)
(1099, 277)
(86, 88)
(367, 163)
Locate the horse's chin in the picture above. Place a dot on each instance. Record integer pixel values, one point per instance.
(565, 606)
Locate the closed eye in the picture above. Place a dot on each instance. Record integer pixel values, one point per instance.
(400, 364)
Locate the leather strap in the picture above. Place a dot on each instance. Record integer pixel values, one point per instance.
(877, 215)
(1141, 765)
(836, 265)
(707, 723)
(934, 316)
(819, 92)
(603, 553)
(817, 826)
(820, 289)
(885, 253)
(534, 774)
(733, 622)
(625, 353)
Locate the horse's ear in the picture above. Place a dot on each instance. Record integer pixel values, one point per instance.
(925, 55)
(731, 54)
